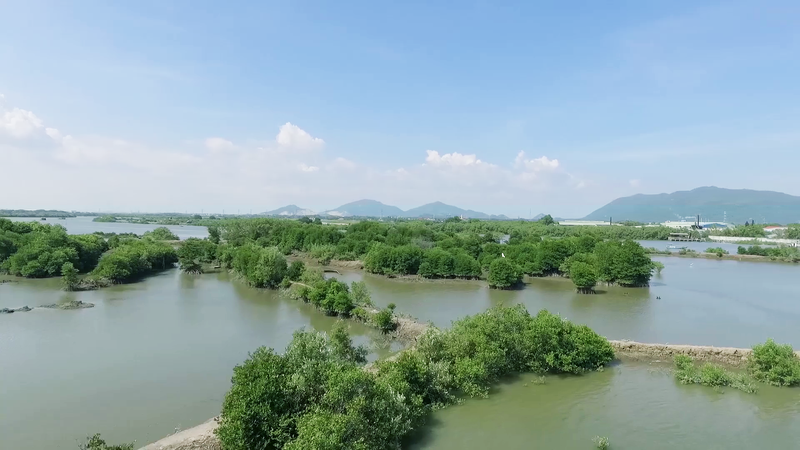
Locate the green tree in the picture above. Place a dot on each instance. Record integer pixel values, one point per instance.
(214, 234)
(161, 234)
(69, 276)
(584, 276)
(547, 220)
(503, 274)
(296, 270)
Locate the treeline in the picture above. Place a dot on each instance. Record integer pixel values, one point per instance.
(782, 253)
(34, 250)
(318, 395)
(457, 249)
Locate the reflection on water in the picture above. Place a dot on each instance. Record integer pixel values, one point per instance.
(708, 302)
(636, 406)
(149, 357)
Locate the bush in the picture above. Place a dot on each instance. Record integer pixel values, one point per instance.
(583, 276)
(719, 251)
(97, 443)
(69, 277)
(316, 396)
(710, 375)
(295, 270)
(775, 364)
(161, 234)
(601, 442)
(134, 259)
(503, 274)
(384, 320)
(260, 267)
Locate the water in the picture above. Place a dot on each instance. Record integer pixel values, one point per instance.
(696, 246)
(635, 405)
(702, 302)
(84, 225)
(149, 357)
(158, 355)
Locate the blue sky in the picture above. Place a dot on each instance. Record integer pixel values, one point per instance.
(503, 107)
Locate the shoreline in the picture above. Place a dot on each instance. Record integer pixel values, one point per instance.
(202, 437)
(729, 257)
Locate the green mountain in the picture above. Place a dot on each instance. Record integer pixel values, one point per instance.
(365, 208)
(711, 203)
(441, 210)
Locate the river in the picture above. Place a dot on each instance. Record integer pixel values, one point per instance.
(85, 225)
(148, 358)
(158, 355)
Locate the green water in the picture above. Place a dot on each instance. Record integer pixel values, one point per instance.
(702, 302)
(147, 359)
(157, 355)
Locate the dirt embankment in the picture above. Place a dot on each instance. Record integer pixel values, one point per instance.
(649, 352)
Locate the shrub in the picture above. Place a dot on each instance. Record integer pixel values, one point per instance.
(583, 276)
(161, 234)
(97, 443)
(69, 276)
(134, 259)
(775, 364)
(710, 375)
(260, 267)
(719, 251)
(503, 274)
(296, 270)
(384, 320)
(601, 442)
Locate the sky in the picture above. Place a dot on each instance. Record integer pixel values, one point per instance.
(512, 108)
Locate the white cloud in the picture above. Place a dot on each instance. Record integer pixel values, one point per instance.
(216, 144)
(635, 183)
(19, 123)
(293, 137)
(540, 164)
(454, 159)
(306, 168)
(53, 133)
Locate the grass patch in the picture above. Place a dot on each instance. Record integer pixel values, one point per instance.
(712, 375)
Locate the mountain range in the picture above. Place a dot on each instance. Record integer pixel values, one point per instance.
(713, 204)
(374, 208)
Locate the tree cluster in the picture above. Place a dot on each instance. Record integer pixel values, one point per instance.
(134, 259)
(316, 395)
(194, 253)
(36, 251)
(161, 234)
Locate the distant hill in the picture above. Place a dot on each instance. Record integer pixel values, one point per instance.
(365, 208)
(443, 210)
(34, 213)
(711, 203)
(290, 210)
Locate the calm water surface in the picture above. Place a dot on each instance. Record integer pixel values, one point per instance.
(635, 405)
(702, 302)
(149, 357)
(157, 355)
(84, 225)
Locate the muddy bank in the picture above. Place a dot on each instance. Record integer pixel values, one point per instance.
(729, 257)
(201, 437)
(73, 304)
(730, 356)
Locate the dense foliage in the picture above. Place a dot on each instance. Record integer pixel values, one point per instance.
(317, 396)
(719, 251)
(775, 364)
(457, 249)
(583, 275)
(504, 274)
(194, 253)
(710, 375)
(161, 234)
(791, 254)
(34, 250)
(750, 230)
(69, 277)
(134, 259)
(260, 267)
